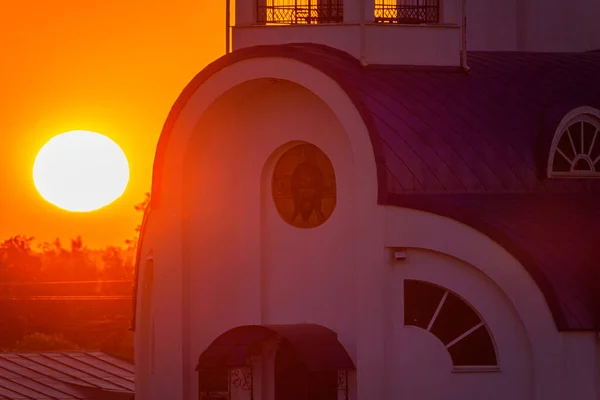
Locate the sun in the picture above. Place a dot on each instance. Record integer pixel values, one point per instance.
(80, 171)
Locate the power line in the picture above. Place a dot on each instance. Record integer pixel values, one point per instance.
(62, 282)
(65, 298)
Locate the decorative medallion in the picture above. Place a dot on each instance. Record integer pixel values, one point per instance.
(304, 188)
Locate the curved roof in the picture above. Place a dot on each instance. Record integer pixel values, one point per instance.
(443, 129)
(453, 137)
(316, 346)
(554, 236)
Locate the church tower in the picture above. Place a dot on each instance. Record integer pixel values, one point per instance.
(379, 32)
(342, 208)
(417, 32)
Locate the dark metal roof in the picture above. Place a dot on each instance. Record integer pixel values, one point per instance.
(316, 346)
(457, 134)
(66, 375)
(555, 236)
(443, 129)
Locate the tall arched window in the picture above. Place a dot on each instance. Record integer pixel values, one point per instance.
(575, 150)
(454, 322)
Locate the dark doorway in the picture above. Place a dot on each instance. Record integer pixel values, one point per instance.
(293, 380)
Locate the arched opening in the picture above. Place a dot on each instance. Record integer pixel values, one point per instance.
(310, 363)
(290, 375)
(575, 149)
(294, 381)
(452, 320)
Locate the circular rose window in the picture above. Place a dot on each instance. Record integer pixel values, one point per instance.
(304, 189)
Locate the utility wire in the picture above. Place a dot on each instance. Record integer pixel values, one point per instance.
(65, 298)
(62, 282)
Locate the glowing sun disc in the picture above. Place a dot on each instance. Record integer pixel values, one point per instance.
(80, 171)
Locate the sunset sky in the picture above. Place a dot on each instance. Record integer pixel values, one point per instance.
(114, 67)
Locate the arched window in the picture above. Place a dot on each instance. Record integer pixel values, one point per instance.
(287, 12)
(454, 322)
(407, 11)
(575, 150)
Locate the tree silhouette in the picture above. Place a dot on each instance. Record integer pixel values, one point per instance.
(18, 261)
(141, 208)
(29, 274)
(43, 342)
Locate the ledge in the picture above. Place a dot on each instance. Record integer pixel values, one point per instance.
(384, 44)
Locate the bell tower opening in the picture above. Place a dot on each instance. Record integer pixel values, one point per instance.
(294, 381)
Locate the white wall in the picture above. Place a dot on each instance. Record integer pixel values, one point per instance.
(340, 36)
(443, 235)
(158, 335)
(222, 255)
(597, 378)
(580, 368)
(533, 25)
(224, 258)
(507, 25)
(562, 25)
(493, 25)
(230, 221)
(247, 265)
(383, 43)
(422, 366)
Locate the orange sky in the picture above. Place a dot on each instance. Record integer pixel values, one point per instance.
(110, 66)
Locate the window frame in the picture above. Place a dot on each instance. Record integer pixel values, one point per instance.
(587, 115)
(299, 13)
(383, 11)
(446, 293)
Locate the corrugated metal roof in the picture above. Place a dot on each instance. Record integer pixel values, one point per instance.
(450, 138)
(64, 375)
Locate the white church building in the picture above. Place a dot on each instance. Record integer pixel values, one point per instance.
(379, 200)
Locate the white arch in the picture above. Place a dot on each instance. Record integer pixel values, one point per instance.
(169, 217)
(279, 68)
(424, 230)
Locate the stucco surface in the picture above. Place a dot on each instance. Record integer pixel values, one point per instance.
(438, 129)
(473, 146)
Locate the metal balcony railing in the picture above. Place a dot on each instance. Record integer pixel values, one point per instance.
(407, 11)
(287, 12)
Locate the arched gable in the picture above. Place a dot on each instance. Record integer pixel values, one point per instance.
(318, 65)
(551, 236)
(461, 243)
(400, 128)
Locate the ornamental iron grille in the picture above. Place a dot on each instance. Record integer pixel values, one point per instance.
(342, 384)
(287, 12)
(407, 11)
(241, 378)
(220, 383)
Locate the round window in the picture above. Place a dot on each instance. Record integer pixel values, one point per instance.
(304, 189)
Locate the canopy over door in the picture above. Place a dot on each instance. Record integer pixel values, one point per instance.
(316, 347)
